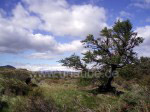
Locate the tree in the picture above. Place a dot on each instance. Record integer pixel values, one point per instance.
(75, 62)
(113, 49)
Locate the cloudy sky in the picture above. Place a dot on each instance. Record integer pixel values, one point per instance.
(35, 34)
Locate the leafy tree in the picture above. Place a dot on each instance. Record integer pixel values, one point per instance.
(75, 62)
(113, 49)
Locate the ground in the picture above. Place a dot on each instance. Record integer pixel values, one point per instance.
(71, 95)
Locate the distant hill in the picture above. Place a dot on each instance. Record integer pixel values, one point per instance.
(8, 67)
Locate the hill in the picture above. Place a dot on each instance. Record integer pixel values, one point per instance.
(7, 67)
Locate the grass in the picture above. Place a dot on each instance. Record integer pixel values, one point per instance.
(68, 96)
(73, 95)
(71, 98)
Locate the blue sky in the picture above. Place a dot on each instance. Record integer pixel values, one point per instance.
(35, 34)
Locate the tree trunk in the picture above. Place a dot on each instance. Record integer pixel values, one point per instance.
(111, 77)
(108, 86)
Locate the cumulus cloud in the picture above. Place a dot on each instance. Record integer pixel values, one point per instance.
(22, 18)
(143, 49)
(57, 17)
(15, 40)
(16, 33)
(62, 19)
(74, 46)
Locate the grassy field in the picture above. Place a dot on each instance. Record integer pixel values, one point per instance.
(70, 95)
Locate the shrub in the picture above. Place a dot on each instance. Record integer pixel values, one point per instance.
(15, 74)
(13, 87)
(3, 104)
(36, 102)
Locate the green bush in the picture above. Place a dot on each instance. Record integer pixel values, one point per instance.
(13, 87)
(15, 74)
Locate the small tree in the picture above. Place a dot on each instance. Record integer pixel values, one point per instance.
(114, 49)
(75, 62)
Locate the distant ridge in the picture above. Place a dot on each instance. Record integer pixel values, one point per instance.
(8, 66)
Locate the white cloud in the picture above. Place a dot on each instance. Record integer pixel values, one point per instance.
(14, 39)
(145, 4)
(16, 35)
(22, 18)
(143, 49)
(44, 67)
(60, 49)
(62, 19)
(75, 45)
(39, 55)
(144, 32)
(57, 17)
(126, 14)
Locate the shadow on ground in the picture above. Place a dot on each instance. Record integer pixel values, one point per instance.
(102, 90)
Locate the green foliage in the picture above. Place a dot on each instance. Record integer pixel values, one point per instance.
(139, 71)
(13, 87)
(115, 46)
(128, 72)
(73, 61)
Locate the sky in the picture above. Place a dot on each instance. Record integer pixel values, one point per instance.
(36, 34)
